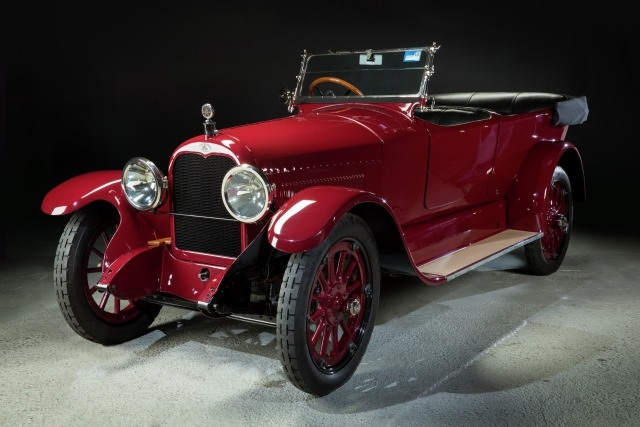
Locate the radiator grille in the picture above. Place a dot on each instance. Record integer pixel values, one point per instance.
(196, 191)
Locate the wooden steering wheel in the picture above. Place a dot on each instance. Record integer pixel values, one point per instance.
(344, 83)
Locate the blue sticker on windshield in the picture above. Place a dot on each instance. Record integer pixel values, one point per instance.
(412, 55)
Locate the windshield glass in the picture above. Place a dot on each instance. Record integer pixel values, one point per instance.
(370, 75)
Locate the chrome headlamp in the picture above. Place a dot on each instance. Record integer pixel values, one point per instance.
(246, 193)
(143, 184)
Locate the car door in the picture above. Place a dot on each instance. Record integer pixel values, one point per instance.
(461, 160)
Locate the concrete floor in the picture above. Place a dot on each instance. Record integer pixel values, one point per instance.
(494, 347)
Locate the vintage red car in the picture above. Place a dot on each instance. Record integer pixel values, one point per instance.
(295, 221)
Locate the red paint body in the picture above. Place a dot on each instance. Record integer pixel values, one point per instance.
(293, 221)
(437, 189)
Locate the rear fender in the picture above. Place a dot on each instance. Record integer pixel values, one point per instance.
(526, 207)
(306, 219)
(136, 228)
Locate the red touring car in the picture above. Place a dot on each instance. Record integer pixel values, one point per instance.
(294, 221)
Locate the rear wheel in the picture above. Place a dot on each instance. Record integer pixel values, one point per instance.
(327, 305)
(96, 316)
(544, 256)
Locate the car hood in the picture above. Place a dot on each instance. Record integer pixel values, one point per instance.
(327, 134)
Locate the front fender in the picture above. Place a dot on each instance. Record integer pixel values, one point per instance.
(135, 274)
(305, 220)
(81, 190)
(526, 196)
(136, 228)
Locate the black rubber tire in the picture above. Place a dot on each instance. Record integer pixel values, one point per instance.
(544, 256)
(77, 267)
(347, 305)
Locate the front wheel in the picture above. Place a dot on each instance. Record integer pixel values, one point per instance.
(326, 308)
(544, 256)
(94, 315)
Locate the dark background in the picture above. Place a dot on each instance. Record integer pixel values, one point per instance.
(90, 87)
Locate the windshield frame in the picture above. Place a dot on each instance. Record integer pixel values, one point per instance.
(419, 96)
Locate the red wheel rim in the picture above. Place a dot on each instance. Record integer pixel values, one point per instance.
(103, 304)
(338, 303)
(557, 222)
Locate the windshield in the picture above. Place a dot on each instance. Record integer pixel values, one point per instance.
(371, 75)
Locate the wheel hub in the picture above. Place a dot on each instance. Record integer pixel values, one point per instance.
(354, 307)
(335, 308)
(562, 223)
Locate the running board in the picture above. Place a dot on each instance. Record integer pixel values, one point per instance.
(456, 263)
